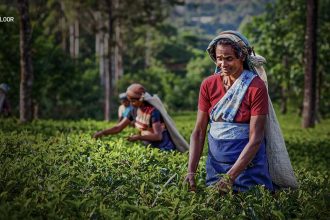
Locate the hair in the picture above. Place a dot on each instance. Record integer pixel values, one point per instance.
(137, 89)
(237, 49)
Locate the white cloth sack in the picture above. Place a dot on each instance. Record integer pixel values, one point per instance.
(280, 168)
(180, 143)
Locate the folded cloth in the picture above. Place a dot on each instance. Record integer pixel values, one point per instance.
(280, 167)
(180, 143)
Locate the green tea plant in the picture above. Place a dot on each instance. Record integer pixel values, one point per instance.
(54, 169)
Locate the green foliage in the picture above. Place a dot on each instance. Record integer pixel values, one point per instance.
(157, 81)
(9, 52)
(70, 88)
(59, 80)
(58, 91)
(278, 35)
(209, 17)
(166, 55)
(176, 67)
(323, 56)
(54, 169)
(200, 67)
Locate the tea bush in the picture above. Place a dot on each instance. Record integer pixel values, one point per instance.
(54, 169)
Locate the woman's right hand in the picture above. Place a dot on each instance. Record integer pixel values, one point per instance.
(98, 134)
(190, 180)
(197, 140)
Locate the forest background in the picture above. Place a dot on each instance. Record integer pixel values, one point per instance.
(67, 61)
(84, 53)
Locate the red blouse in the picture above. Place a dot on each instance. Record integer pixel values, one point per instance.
(255, 101)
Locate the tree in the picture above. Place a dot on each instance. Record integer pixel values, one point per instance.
(278, 35)
(108, 60)
(119, 44)
(309, 107)
(323, 64)
(25, 62)
(126, 14)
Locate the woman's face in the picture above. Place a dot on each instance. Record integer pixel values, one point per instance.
(134, 99)
(228, 62)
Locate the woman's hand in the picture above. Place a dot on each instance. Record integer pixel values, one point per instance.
(196, 147)
(98, 134)
(190, 180)
(225, 184)
(256, 136)
(113, 130)
(133, 138)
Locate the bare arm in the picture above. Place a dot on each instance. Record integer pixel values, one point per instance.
(156, 135)
(257, 127)
(120, 113)
(196, 146)
(114, 130)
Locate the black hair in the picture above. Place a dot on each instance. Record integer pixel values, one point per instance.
(237, 49)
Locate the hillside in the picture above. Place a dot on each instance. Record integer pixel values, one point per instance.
(212, 16)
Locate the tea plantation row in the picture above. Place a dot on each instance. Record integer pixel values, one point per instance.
(54, 169)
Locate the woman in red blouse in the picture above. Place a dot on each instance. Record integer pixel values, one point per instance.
(234, 102)
(147, 119)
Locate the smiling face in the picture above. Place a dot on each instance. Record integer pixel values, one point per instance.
(227, 60)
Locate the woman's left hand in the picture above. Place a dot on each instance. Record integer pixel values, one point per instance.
(224, 185)
(133, 138)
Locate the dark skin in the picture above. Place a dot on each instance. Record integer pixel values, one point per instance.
(232, 67)
(154, 134)
(126, 103)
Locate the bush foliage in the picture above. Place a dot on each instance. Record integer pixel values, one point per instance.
(54, 169)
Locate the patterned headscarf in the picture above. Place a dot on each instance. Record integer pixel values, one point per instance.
(251, 60)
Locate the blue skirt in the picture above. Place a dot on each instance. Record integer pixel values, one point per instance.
(223, 154)
(165, 144)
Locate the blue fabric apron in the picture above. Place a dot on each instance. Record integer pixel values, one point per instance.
(228, 139)
(165, 144)
(222, 155)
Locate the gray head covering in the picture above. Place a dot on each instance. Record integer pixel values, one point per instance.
(122, 96)
(251, 60)
(4, 87)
